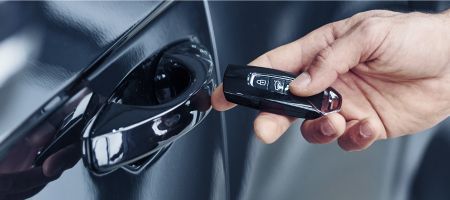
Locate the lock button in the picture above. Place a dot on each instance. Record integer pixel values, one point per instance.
(279, 85)
(259, 81)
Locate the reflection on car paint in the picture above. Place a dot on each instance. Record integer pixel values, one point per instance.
(148, 112)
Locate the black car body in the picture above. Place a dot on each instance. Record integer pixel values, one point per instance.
(64, 52)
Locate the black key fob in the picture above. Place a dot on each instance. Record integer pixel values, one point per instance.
(268, 90)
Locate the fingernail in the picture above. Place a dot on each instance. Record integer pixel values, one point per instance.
(365, 130)
(302, 81)
(327, 129)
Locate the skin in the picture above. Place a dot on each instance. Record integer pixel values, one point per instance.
(392, 69)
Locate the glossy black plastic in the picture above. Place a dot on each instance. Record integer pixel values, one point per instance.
(94, 45)
(159, 101)
(69, 130)
(62, 42)
(268, 90)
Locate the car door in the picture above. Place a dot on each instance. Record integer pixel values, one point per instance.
(152, 64)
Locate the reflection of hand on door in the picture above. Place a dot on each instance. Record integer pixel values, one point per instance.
(19, 179)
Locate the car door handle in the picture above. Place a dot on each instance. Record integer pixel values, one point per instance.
(157, 102)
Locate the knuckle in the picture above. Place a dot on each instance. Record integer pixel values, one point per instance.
(331, 33)
(323, 57)
(370, 26)
(359, 16)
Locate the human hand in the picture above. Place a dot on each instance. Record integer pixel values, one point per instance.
(392, 70)
(19, 179)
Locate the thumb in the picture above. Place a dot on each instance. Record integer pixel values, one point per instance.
(337, 58)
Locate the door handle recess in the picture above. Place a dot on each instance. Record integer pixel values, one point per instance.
(160, 100)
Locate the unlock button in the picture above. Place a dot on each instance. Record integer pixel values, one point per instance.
(277, 85)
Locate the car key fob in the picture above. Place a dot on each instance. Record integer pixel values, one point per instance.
(268, 90)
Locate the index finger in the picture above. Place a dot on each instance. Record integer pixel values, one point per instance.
(294, 57)
(291, 57)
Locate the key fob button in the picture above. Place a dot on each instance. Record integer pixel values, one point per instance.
(259, 81)
(267, 90)
(278, 85)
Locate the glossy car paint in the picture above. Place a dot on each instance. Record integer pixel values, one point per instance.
(52, 43)
(157, 103)
(207, 163)
(194, 168)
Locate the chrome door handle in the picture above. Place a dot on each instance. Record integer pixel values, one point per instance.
(159, 101)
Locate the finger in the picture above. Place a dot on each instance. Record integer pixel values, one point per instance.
(285, 58)
(340, 56)
(360, 134)
(291, 57)
(218, 100)
(324, 129)
(24, 180)
(295, 56)
(62, 160)
(269, 127)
